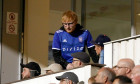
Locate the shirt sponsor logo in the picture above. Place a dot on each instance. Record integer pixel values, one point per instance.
(72, 49)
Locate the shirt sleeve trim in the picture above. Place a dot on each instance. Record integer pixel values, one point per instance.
(90, 46)
(56, 48)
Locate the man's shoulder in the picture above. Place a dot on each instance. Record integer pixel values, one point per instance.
(85, 31)
(59, 31)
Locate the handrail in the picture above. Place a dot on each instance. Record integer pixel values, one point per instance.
(122, 48)
(123, 39)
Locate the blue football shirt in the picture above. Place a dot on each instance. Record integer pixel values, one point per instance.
(71, 43)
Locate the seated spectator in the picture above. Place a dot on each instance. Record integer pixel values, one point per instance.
(68, 78)
(30, 69)
(135, 76)
(95, 67)
(99, 46)
(124, 67)
(105, 75)
(53, 68)
(79, 59)
(114, 68)
(122, 80)
(91, 80)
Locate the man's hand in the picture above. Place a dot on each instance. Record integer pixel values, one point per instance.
(70, 66)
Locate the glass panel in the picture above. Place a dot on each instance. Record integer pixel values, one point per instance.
(137, 8)
(56, 10)
(110, 17)
(0, 17)
(78, 10)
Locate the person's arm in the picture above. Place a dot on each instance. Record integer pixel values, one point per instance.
(93, 55)
(59, 59)
(56, 49)
(91, 48)
(101, 60)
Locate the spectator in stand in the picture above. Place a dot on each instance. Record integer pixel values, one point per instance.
(124, 67)
(68, 78)
(114, 68)
(53, 68)
(135, 76)
(91, 80)
(79, 59)
(30, 69)
(71, 38)
(99, 46)
(105, 75)
(122, 80)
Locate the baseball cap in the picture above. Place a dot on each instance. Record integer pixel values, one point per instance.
(32, 66)
(69, 75)
(101, 39)
(82, 56)
(54, 67)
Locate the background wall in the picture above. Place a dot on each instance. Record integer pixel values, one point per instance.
(36, 31)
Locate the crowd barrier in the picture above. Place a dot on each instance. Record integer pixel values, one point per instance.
(122, 48)
(83, 73)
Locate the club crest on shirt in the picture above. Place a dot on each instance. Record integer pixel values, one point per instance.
(80, 39)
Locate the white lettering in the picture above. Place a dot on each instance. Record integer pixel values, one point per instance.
(64, 49)
(70, 49)
(77, 48)
(73, 49)
(81, 48)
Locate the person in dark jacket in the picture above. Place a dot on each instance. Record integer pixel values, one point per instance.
(68, 78)
(30, 70)
(71, 38)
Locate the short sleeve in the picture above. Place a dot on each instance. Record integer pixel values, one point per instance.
(89, 40)
(56, 42)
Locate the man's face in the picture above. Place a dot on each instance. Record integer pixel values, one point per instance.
(49, 72)
(120, 69)
(69, 26)
(99, 77)
(65, 81)
(135, 76)
(26, 73)
(116, 81)
(76, 63)
(98, 49)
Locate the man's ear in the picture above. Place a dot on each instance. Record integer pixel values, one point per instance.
(80, 63)
(105, 79)
(128, 70)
